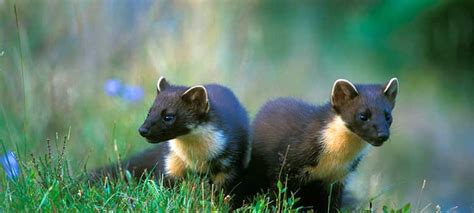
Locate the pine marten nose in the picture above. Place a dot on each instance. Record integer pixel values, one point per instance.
(382, 136)
(143, 131)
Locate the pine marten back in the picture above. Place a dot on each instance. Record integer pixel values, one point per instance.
(314, 147)
(201, 129)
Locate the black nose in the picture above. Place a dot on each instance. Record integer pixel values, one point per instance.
(143, 131)
(382, 136)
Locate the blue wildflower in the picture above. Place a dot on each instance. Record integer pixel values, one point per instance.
(113, 87)
(10, 165)
(132, 94)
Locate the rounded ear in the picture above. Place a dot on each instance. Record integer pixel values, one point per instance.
(342, 92)
(391, 90)
(161, 84)
(197, 96)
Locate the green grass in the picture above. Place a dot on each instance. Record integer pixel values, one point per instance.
(47, 183)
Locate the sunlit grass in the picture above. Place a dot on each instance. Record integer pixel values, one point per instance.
(46, 183)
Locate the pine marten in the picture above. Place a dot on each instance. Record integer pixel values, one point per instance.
(201, 130)
(314, 148)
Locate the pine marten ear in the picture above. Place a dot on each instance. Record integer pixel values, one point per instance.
(197, 96)
(161, 84)
(391, 90)
(342, 92)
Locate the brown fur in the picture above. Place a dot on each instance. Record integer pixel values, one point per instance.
(220, 178)
(313, 148)
(200, 130)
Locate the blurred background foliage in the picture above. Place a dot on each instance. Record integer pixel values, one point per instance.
(54, 83)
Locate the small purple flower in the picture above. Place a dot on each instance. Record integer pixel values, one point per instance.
(10, 165)
(132, 94)
(113, 87)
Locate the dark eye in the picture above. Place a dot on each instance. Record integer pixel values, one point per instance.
(363, 117)
(388, 117)
(168, 118)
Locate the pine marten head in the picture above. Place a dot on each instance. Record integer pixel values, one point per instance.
(176, 110)
(366, 109)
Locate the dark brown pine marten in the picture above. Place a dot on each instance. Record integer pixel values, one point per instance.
(200, 130)
(314, 148)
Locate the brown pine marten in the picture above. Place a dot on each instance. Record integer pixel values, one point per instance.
(314, 148)
(201, 130)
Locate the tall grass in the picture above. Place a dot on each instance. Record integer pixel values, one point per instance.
(47, 183)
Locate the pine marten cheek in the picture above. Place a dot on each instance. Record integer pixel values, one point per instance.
(350, 127)
(191, 125)
(363, 133)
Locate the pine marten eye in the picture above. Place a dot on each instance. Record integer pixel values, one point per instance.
(363, 116)
(168, 118)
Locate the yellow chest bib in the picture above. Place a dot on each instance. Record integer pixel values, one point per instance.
(194, 151)
(340, 148)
